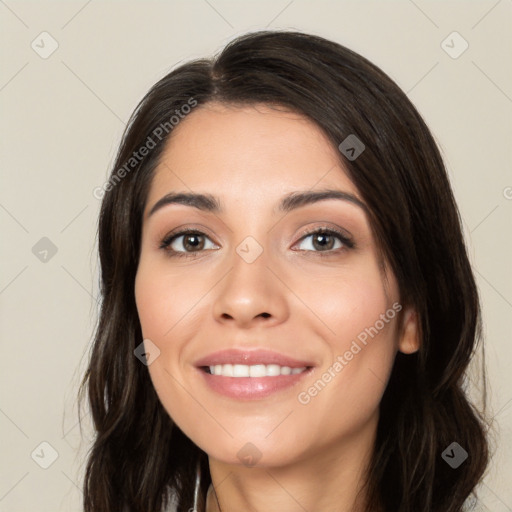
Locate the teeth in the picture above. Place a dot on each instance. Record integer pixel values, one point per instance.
(256, 370)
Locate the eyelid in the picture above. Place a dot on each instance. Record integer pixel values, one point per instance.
(195, 228)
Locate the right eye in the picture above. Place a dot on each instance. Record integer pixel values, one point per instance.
(185, 242)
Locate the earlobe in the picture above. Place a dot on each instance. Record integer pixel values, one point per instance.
(409, 341)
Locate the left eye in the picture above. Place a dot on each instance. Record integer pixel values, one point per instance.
(324, 240)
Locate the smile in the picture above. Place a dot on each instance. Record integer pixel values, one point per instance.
(256, 370)
(243, 374)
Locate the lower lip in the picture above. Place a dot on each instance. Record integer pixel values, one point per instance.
(251, 388)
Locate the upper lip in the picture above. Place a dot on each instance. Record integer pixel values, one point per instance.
(251, 357)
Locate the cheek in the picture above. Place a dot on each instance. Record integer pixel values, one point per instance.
(165, 305)
(170, 308)
(165, 299)
(359, 335)
(351, 302)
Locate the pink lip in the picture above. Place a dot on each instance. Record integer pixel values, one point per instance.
(252, 357)
(251, 388)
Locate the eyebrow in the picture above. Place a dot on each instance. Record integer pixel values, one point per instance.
(292, 201)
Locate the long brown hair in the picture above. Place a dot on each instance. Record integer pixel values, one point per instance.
(140, 458)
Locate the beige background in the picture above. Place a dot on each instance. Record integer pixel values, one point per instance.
(62, 118)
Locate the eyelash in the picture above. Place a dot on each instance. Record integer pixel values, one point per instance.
(169, 239)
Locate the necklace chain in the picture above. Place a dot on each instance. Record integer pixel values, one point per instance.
(197, 489)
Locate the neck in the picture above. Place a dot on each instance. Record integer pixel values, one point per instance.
(329, 479)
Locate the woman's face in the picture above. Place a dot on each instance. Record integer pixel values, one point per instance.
(310, 325)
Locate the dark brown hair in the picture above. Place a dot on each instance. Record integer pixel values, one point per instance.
(139, 457)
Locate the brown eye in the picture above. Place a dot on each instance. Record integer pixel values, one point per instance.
(186, 242)
(193, 242)
(325, 240)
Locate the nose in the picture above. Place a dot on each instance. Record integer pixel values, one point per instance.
(250, 295)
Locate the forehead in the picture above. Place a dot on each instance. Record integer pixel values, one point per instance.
(257, 149)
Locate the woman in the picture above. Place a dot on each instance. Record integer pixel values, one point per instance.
(288, 307)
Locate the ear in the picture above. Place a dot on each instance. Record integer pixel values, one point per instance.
(409, 339)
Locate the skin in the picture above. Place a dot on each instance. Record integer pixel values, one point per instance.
(313, 455)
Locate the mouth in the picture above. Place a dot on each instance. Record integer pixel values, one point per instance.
(250, 375)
